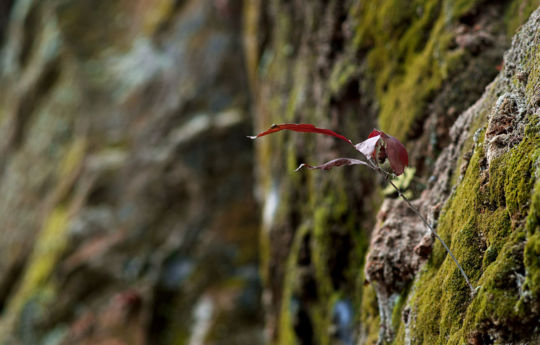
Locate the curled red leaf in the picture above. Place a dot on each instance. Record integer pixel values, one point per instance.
(396, 152)
(301, 127)
(390, 148)
(374, 133)
(377, 147)
(333, 163)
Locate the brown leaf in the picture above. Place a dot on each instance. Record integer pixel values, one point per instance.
(333, 163)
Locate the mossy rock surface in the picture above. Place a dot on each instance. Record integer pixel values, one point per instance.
(411, 69)
(490, 221)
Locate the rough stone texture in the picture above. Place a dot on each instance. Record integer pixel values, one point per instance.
(418, 70)
(491, 219)
(127, 214)
(399, 245)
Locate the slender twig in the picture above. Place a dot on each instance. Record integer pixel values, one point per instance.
(415, 210)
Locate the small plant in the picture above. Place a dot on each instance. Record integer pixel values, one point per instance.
(374, 151)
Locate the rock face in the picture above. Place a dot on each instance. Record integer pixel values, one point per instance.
(434, 74)
(127, 214)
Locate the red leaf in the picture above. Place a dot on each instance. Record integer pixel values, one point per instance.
(388, 147)
(393, 149)
(301, 127)
(333, 163)
(396, 152)
(374, 133)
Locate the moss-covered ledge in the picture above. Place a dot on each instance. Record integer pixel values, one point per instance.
(409, 68)
(491, 220)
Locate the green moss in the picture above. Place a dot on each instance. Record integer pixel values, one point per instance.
(494, 226)
(180, 336)
(409, 94)
(342, 72)
(402, 53)
(532, 266)
(518, 12)
(402, 182)
(518, 183)
(398, 308)
(497, 178)
(92, 27)
(51, 240)
(286, 334)
(496, 301)
(320, 253)
(531, 255)
(483, 224)
(156, 15)
(250, 27)
(49, 246)
(72, 159)
(410, 54)
(533, 219)
(370, 319)
(329, 211)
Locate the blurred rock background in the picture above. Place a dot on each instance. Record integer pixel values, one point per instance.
(127, 213)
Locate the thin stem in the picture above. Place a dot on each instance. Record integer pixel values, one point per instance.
(385, 175)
